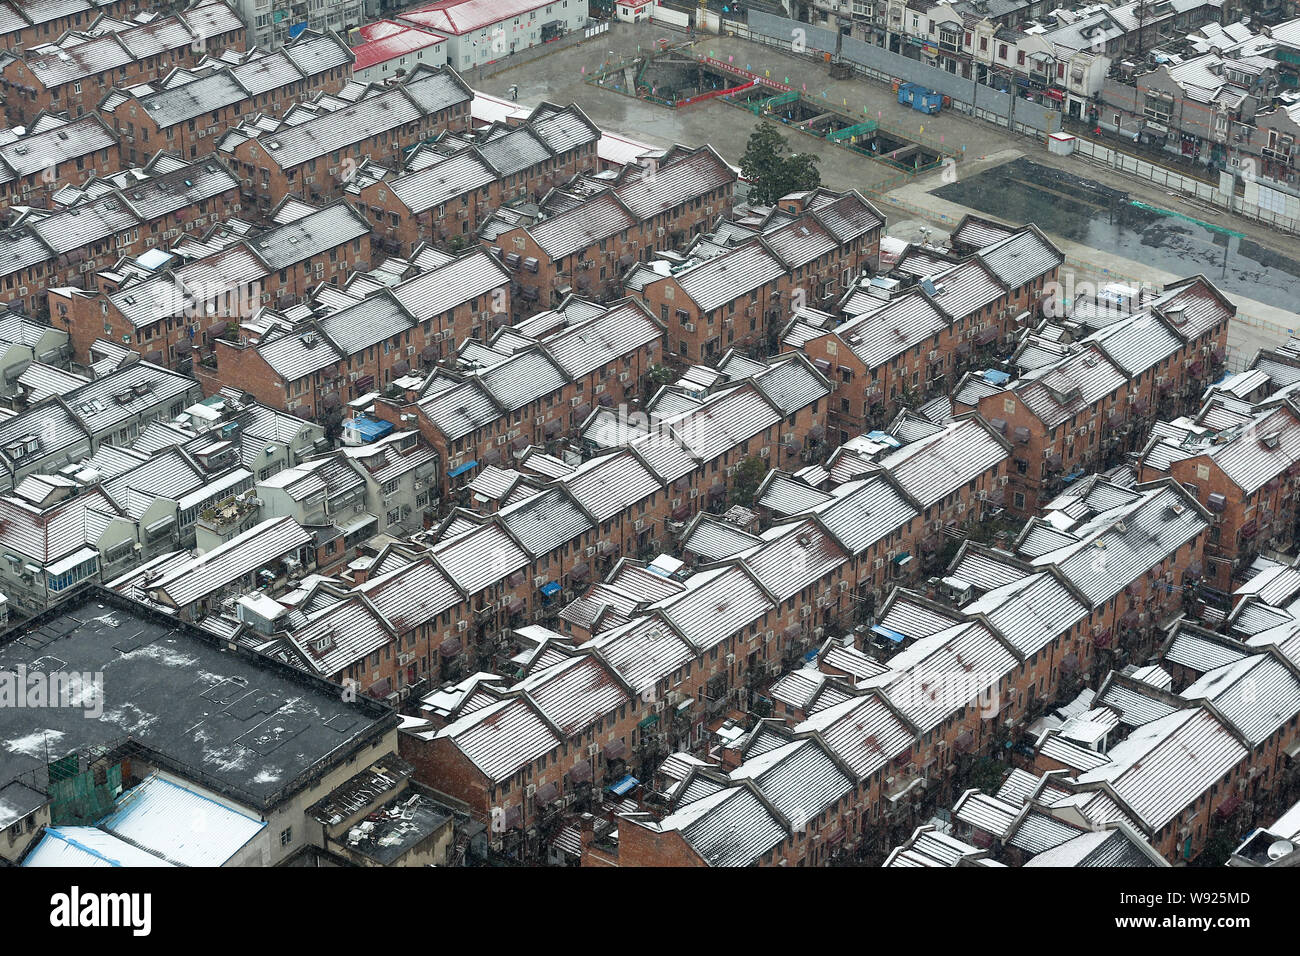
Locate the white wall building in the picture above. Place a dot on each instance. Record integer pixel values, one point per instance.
(480, 31)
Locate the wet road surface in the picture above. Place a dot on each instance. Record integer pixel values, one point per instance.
(1092, 214)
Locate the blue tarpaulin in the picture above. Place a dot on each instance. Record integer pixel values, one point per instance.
(623, 786)
(461, 469)
(368, 429)
(894, 636)
(550, 588)
(995, 377)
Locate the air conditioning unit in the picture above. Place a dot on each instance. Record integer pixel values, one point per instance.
(462, 626)
(591, 550)
(530, 791)
(690, 326)
(731, 659)
(593, 749)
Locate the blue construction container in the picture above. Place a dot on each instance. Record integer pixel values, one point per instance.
(919, 98)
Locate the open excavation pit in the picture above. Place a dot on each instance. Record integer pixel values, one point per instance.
(678, 79)
(860, 134)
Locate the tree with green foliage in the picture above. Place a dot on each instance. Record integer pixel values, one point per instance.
(771, 171)
(658, 376)
(749, 475)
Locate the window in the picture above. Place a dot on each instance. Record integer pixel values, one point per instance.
(286, 836)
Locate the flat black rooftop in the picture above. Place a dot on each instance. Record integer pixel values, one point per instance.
(250, 727)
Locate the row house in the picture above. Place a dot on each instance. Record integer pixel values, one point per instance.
(949, 477)
(534, 389)
(75, 73)
(518, 564)
(350, 641)
(357, 338)
(29, 23)
(981, 669)
(1022, 258)
(328, 495)
(1059, 419)
(1133, 585)
(52, 153)
(316, 148)
(125, 214)
(586, 244)
(954, 473)
(1174, 351)
(926, 725)
(271, 550)
(1256, 696)
(1202, 109)
(187, 111)
(897, 350)
(440, 193)
(1090, 405)
(1244, 472)
(682, 659)
(1092, 775)
(992, 653)
(877, 744)
(168, 314)
(736, 297)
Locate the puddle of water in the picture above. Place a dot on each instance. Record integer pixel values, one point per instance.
(1093, 214)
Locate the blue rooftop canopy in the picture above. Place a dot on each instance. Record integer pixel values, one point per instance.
(461, 469)
(621, 787)
(894, 636)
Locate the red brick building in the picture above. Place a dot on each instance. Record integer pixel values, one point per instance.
(1246, 475)
(315, 156)
(55, 153)
(75, 75)
(588, 245)
(175, 316)
(440, 195)
(189, 115)
(349, 350)
(741, 297)
(163, 200)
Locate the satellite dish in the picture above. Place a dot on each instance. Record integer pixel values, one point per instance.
(1280, 848)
